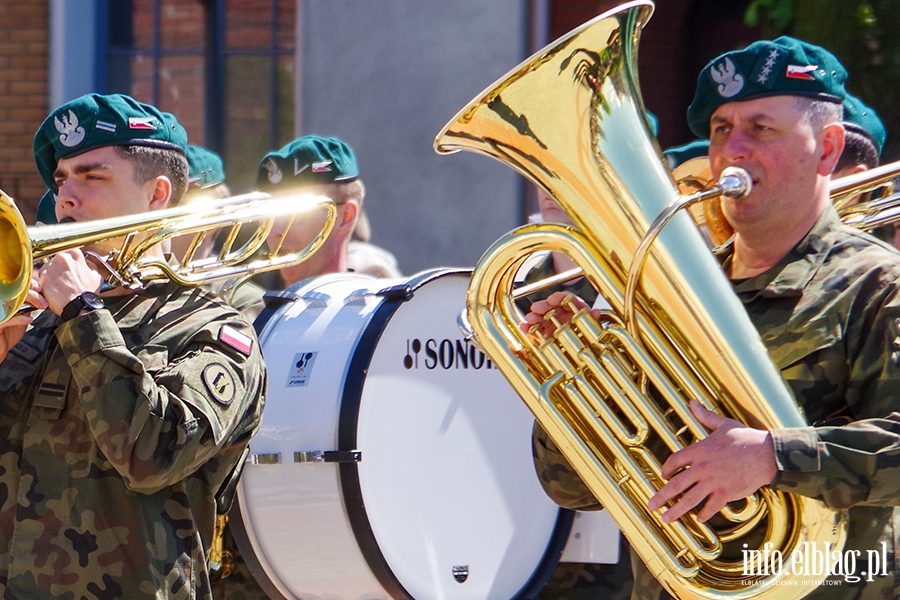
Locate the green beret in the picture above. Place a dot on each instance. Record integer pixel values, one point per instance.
(308, 160)
(93, 121)
(786, 66)
(205, 168)
(46, 210)
(681, 154)
(654, 123)
(862, 119)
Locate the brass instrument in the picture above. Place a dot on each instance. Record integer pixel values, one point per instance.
(130, 266)
(609, 392)
(871, 213)
(882, 208)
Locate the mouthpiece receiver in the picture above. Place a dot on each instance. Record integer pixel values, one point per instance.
(735, 183)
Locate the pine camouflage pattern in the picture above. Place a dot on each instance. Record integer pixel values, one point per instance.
(117, 430)
(829, 315)
(240, 584)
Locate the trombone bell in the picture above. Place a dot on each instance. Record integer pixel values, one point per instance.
(15, 271)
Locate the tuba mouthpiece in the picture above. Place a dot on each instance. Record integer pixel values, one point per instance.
(735, 183)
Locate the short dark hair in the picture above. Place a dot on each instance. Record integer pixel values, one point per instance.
(348, 190)
(150, 162)
(858, 150)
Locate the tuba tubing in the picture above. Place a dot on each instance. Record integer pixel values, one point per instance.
(615, 398)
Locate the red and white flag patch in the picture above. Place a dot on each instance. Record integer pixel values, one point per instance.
(142, 123)
(321, 167)
(237, 340)
(801, 72)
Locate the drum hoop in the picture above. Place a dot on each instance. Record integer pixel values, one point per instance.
(351, 490)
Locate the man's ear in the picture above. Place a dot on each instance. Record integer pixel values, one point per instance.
(347, 213)
(832, 148)
(161, 193)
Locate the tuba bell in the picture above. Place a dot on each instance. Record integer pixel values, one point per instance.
(612, 392)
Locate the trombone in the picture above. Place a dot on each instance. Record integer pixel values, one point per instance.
(129, 266)
(882, 208)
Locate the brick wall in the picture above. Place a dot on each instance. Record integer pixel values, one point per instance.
(24, 56)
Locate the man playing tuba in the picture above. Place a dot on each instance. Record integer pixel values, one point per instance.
(824, 298)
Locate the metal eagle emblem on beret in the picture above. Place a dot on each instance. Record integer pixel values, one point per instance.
(220, 383)
(70, 133)
(730, 81)
(274, 172)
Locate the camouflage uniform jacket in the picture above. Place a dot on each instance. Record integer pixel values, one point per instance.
(117, 430)
(829, 315)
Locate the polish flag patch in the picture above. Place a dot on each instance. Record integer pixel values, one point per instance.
(801, 72)
(142, 123)
(321, 167)
(237, 340)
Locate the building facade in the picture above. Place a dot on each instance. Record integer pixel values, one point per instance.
(246, 76)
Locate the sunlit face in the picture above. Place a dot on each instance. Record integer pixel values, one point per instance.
(772, 139)
(100, 184)
(293, 234)
(551, 211)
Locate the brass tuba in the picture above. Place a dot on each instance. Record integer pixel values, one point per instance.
(571, 119)
(129, 264)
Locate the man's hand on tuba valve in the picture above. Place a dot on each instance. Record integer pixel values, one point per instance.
(557, 309)
(733, 462)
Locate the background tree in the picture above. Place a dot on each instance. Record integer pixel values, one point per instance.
(863, 34)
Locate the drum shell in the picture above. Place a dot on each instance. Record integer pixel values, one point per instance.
(444, 502)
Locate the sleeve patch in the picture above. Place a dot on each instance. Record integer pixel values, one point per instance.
(220, 383)
(241, 342)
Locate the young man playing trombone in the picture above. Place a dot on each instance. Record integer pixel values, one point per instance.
(124, 412)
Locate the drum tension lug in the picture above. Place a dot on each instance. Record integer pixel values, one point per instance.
(274, 299)
(264, 459)
(329, 456)
(401, 291)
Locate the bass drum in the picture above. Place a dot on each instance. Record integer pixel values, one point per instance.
(394, 460)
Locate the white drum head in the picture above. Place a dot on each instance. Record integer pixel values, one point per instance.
(444, 502)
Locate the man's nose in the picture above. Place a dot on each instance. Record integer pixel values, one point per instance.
(736, 146)
(66, 197)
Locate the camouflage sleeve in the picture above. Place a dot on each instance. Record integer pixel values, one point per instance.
(556, 475)
(156, 417)
(857, 463)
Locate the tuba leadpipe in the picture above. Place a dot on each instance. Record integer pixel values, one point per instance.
(571, 119)
(129, 265)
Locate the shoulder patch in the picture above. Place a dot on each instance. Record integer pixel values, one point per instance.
(239, 341)
(220, 383)
(26, 351)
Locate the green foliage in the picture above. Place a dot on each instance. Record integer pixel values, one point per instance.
(863, 34)
(776, 15)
